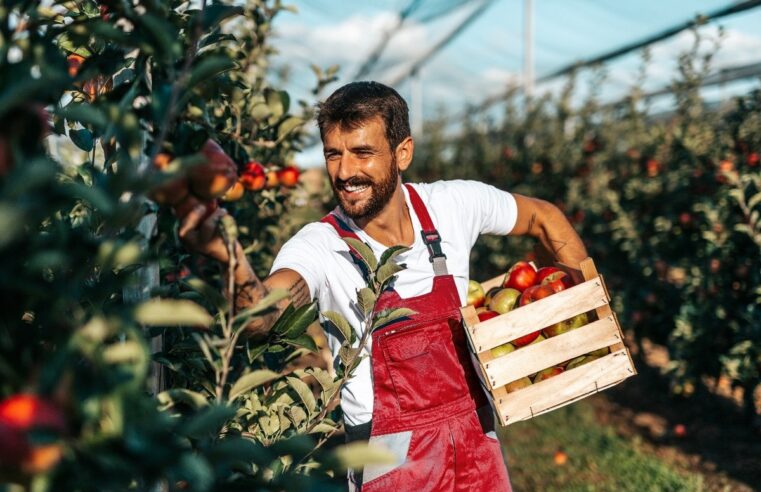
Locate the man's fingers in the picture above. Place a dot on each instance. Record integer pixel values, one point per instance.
(191, 221)
(208, 228)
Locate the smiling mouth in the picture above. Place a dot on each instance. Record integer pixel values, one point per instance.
(355, 188)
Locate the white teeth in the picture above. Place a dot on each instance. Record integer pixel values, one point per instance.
(353, 189)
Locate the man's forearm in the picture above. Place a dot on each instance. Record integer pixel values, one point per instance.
(249, 290)
(559, 238)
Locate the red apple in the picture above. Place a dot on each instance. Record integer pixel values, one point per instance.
(534, 293)
(518, 384)
(216, 175)
(475, 296)
(538, 339)
(504, 300)
(19, 415)
(547, 373)
(557, 281)
(253, 177)
(288, 176)
(503, 349)
(484, 315)
(544, 272)
(521, 276)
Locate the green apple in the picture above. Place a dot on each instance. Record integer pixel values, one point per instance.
(566, 325)
(475, 295)
(504, 300)
(501, 350)
(538, 339)
(600, 352)
(580, 361)
(518, 384)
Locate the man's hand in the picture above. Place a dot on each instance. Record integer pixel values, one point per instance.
(199, 232)
(545, 222)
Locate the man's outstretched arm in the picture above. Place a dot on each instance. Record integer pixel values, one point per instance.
(545, 222)
(201, 235)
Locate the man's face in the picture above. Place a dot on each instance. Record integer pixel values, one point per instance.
(362, 168)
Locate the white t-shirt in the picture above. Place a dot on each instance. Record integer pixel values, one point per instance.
(460, 211)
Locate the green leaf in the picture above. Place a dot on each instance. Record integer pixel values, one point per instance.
(164, 34)
(364, 251)
(392, 253)
(254, 351)
(288, 126)
(85, 114)
(390, 315)
(216, 13)
(82, 138)
(193, 468)
(208, 421)
(97, 198)
(366, 299)
(305, 394)
(340, 322)
(252, 380)
(239, 449)
(300, 320)
(387, 271)
(322, 428)
(12, 223)
(124, 352)
(207, 292)
(171, 312)
(348, 354)
(179, 395)
(267, 302)
(304, 341)
(754, 200)
(208, 68)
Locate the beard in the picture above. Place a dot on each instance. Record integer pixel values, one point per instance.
(380, 194)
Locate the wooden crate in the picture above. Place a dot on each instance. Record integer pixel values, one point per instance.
(602, 330)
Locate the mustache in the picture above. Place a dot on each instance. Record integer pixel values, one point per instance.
(353, 181)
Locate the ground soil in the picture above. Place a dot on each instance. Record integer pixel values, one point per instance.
(705, 433)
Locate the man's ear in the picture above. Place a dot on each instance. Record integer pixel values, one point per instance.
(404, 152)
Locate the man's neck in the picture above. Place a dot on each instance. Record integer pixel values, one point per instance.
(393, 225)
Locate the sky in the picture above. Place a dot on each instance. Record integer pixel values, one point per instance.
(487, 54)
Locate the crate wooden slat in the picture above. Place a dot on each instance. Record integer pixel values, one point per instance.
(602, 330)
(551, 352)
(561, 306)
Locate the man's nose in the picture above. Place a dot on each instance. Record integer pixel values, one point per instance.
(347, 166)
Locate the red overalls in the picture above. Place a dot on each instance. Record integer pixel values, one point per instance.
(426, 391)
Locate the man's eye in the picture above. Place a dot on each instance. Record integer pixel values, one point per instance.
(331, 157)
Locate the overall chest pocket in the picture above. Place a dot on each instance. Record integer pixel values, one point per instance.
(423, 367)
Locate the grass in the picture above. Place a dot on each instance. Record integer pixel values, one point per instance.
(597, 459)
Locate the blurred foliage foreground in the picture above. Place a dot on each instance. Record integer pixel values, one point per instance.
(103, 104)
(668, 204)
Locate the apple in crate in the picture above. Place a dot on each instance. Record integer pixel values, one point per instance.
(580, 361)
(504, 300)
(521, 276)
(547, 373)
(475, 296)
(566, 325)
(490, 294)
(518, 384)
(558, 281)
(503, 349)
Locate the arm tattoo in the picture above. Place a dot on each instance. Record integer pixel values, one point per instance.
(531, 222)
(246, 296)
(300, 293)
(558, 245)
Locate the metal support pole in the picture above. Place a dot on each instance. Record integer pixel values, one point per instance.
(417, 104)
(528, 48)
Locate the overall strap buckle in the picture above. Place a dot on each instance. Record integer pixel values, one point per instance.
(432, 240)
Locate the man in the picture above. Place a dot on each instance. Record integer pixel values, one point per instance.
(417, 393)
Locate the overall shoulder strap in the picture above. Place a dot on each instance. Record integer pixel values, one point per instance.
(430, 235)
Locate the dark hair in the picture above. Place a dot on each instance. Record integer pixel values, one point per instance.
(357, 102)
